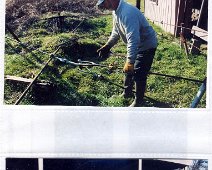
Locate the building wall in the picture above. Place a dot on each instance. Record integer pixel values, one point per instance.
(164, 13)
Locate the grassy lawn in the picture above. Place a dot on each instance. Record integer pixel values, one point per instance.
(74, 86)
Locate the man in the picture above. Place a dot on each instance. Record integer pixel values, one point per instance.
(131, 25)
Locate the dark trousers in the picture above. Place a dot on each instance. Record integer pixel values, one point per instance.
(142, 66)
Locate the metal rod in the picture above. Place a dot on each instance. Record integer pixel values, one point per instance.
(200, 16)
(83, 63)
(12, 33)
(177, 77)
(199, 95)
(16, 38)
(30, 85)
(88, 63)
(101, 77)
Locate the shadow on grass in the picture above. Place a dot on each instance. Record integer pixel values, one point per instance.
(150, 102)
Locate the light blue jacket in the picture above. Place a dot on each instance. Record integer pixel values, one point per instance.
(131, 25)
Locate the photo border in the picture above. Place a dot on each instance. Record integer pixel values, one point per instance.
(9, 113)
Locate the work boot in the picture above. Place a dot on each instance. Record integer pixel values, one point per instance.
(128, 85)
(140, 87)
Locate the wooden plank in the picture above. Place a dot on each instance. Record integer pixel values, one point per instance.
(200, 33)
(25, 80)
(19, 79)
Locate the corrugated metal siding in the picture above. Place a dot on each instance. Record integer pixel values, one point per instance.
(166, 11)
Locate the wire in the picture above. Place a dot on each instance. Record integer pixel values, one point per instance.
(177, 26)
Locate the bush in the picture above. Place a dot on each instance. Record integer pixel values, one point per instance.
(20, 14)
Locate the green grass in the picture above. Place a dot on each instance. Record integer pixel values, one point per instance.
(72, 86)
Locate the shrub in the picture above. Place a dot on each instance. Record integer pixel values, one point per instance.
(20, 14)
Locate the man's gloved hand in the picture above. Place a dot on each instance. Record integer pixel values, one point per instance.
(128, 68)
(104, 51)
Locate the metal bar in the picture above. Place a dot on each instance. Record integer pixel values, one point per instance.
(91, 64)
(177, 77)
(16, 37)
(83, 63)
(199, 95)
(200, 16)
(78, 26)
(30, 85)
(101, 77)
(12, 33)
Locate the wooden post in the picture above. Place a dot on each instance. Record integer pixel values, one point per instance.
(138, 4)
(181, 33)
(180, 16)
(60, 23)
(183, 40)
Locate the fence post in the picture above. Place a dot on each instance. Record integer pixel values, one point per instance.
(183, 40)
(61, 21)
(138, 4)
(181, 31)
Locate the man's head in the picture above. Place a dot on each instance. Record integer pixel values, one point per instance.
(108, 4)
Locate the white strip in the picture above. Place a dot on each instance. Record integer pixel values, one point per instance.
(121, 130)
(40, 163)
(2, 163)
(140, 164)
(109, 131)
